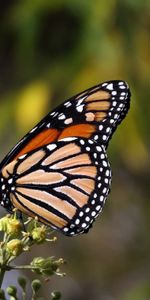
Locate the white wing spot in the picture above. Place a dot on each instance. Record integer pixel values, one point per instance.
(87, 210)
(68, 139)
(81, 214)
(88, 148)
(84, 225)
(10, 180)
(61, 117)
(67, 104)
(77, 221)
(96, 137)
(101, 127)
(110, 86)
(33, 129)
(114, 103)
(82, 142)
(107, 173)
(65, 229)
(93, 214)
(99, 149)
(101, 198)
(98, 207)
(104, 137)
(68, 121)
(80, 101)
(51, 147)
(93, 202)
(80, 108)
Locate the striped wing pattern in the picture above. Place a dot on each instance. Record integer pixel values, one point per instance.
(64, 184)
(97, 110)
(60, 171)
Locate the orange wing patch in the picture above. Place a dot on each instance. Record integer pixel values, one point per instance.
(97, 105)
(43, 138)
(52, 135)
(81, 130)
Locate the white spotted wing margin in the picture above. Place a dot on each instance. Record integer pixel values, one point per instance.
(64, 184)
(102, 107)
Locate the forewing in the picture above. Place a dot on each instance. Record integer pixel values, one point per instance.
(94, 113)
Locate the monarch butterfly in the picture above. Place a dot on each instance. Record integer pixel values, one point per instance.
(59, 171)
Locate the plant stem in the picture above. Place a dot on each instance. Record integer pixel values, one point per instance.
(23, 295)
(2, 273)
(25, 267)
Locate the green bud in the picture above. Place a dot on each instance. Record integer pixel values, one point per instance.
(2, 295)
(3, 223)
(14, 227)
(12, 290)
(22, 282)
(38, 263)
(48, 266)
(36, 284)
(39, 234)
(56, 295)
(14, 247)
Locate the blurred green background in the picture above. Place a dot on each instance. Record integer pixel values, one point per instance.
(49, 51)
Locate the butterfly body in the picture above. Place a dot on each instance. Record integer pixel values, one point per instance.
(59, 171)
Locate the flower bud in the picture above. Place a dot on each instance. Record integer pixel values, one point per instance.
(36, 284)
(56, 295)
(14, 227)
(48, 266)
(22, 282)
(14, 247)
(39, 234)
(2, 295)
(11, 290)
(3, 223)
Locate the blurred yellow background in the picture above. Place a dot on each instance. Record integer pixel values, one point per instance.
(49, 51)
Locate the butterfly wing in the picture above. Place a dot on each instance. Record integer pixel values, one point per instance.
(59, 171)
(94, 113)
(65, 183)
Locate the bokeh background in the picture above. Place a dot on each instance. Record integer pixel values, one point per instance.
(49, 51)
